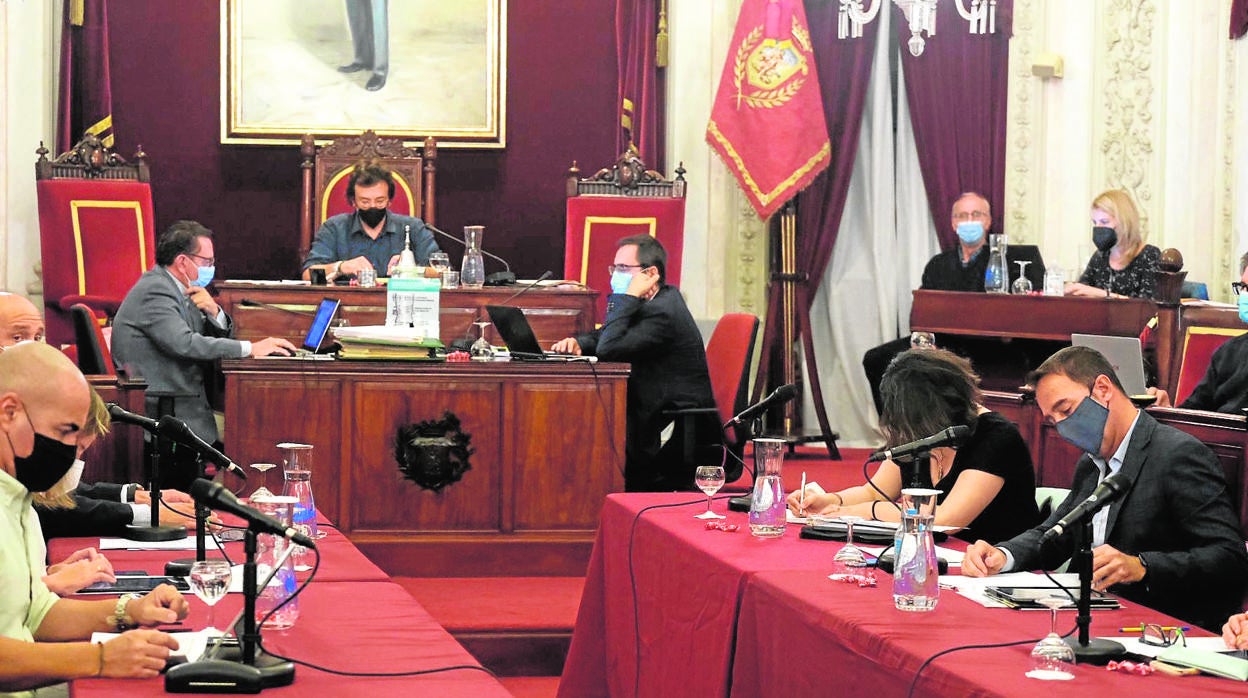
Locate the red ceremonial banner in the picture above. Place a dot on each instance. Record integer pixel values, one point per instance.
(767, 122)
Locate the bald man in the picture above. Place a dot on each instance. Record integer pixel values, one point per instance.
(43, 639)
(20, 320)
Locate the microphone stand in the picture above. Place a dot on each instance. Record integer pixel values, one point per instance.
(181, 567)
(155, 532)
(922, 462)
(1088, 650)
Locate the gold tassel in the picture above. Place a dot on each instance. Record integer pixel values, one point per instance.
(77, 11)
(660, 39)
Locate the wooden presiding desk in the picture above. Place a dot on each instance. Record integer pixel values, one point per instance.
(547, 440)
(1052, 318)
(554, 313)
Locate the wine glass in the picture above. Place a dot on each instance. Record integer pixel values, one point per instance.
(263, 491)
(709, 479)
(1021, 285)
(480, 349)
(850, 555)
(440, 261)
(210, 579)
(1051, 657)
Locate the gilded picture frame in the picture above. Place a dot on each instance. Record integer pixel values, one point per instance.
(404, 68)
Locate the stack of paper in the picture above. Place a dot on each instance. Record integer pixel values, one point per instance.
(383, 342)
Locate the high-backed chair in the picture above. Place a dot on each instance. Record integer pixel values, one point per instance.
(326, 169)
(95, 229)
(1199, 343)
(729, 356)
(618, 201)
(94, 356)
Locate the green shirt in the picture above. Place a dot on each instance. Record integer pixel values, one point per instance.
(24, 598)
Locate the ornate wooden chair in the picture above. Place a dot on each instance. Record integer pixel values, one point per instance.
(618, 201)
(326, 169)
(95, 228)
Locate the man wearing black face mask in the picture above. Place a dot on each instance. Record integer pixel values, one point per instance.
(43, 639)
(1172, 541)
(372, 236)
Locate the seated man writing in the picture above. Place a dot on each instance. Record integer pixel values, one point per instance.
(1172, 541)
(371, 236)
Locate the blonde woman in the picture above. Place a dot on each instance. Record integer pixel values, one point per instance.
(1122, 266)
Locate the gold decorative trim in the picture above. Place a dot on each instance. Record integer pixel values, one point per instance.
(399, 181)
(590, 221)
(77, 204)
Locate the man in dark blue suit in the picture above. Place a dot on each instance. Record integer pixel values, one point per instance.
(649, 326)
(1172, 541)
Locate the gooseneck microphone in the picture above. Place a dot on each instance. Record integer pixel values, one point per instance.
(528, 287)
(214, 495)
(780, 396)
(177, 431)
(951, 436)
(1111, 488)
(121, 415)
(498, 278)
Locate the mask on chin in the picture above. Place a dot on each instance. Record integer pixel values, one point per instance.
(1104, 238)
(372, 217)
(1085, 427)
(971, 232)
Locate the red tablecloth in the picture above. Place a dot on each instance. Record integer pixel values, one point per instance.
(350, 626)
(698, 637)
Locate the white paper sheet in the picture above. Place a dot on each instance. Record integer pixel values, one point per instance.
(973, 587)
(187, 543)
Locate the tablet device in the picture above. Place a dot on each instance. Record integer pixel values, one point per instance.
(139, 585)
(1028, 598)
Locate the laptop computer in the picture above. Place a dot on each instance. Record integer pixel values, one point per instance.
(1123, 353)
(314, 340)
(515, 330)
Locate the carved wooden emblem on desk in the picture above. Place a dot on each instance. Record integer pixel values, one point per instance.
(433, 454)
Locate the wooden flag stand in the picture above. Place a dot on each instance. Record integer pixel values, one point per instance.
(788, 319)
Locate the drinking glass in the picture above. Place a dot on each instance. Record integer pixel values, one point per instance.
(440, 261)
(1051, 657)
(709, 479)
(1021, 285)
(210, 579)
(480, 349)
(850, 555)
(263, 490)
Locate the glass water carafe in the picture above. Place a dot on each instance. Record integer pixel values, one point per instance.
(472, 272)
(269, 550)
(916, 583)
(297, 466)
(767, 507)
(997, 274)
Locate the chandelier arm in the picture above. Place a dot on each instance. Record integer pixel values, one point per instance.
(854, 9)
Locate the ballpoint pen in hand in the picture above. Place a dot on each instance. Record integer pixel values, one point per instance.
(801, 498)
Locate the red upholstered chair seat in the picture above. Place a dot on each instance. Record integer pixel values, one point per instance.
(97, 238)
(94, 355)
(334, 198)
(1199, 343)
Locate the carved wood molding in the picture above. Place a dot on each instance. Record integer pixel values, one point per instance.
(751, 245)
(1228, 271)
(1129, 101)
(369, 145)
(1020, 155)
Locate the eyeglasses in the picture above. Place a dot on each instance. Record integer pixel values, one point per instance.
(210, 261)
(612, 268)
(1238, 287)
(1158, 636)
(973, 215)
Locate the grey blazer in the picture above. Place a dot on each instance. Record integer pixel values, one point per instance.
(1178, 514)
(159, 335)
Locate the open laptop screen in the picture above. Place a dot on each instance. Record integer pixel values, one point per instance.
(1123, 353)
(320, 324)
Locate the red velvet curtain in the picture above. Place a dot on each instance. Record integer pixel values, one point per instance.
(641, 81)
(957, 96)
(86, 96)
(844, 70)
(1239, 18)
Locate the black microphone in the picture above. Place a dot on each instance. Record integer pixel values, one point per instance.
(498, 278)
(176, 430)
(249, 303)
(1111, 488)
(951, 436)
(781, 395)
(121, 415)
(214, 495)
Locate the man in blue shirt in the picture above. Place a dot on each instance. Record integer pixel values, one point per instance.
(372, 236)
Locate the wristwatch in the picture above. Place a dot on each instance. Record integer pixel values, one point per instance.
(1144, 564)
(120, 620)
(338, 268)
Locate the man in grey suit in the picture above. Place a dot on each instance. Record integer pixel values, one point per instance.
(168, 326)
(1172, 541)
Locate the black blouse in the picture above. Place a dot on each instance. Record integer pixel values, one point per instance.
(1136, 281)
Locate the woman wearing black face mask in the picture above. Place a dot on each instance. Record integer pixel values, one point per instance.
(1122, 266)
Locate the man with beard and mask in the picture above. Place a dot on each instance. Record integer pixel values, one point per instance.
(649, 326)
(1171, 541)
(1122, 266)
(958, 269)
(168, 327)
(44, 639)
(372, 236)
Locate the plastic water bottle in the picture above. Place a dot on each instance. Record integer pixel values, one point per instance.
(916, 581)
(997, 274)
(767, 507)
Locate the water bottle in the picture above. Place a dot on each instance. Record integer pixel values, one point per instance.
(916, 582)
(1054, 281)
(472, 271)
(297, 465)
(767, 507)
(269, 549)
(997, 274)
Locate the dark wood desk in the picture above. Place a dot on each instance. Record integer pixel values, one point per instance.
(554, 313)
(548, 443)
(1052, 318)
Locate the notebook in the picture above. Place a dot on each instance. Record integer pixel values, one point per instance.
(515, 330)
(1123, 353)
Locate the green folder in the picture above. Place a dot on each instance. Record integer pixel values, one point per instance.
(1215, 663)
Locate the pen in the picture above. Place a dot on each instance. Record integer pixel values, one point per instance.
(1138, 629)
(801, 500)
